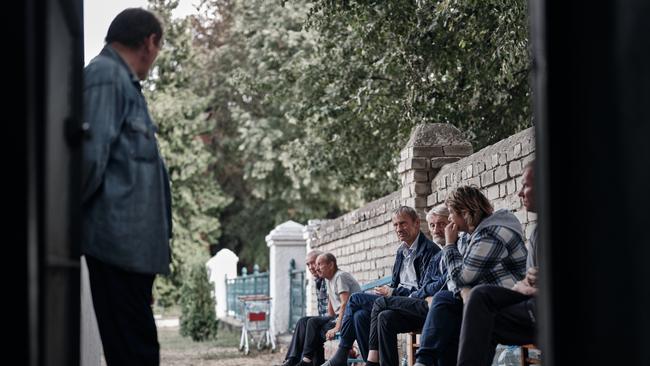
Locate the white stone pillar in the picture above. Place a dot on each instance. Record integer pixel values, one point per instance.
(91, 344)
(223, 265)
(285, 242)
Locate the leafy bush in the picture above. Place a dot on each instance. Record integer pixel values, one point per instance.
(198, 318)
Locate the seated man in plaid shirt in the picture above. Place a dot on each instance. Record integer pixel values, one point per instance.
(491, 250)
(294, 353)
(496, 314)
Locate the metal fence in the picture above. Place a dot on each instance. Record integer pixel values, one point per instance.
(297, 296)
(255, 284)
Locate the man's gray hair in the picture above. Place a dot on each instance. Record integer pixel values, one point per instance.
(439, 210)
(406, 210)
(330, 258)
(314, 253)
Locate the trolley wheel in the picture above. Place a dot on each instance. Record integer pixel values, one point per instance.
(261, 344)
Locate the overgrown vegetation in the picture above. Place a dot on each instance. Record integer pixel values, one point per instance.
(275, 110)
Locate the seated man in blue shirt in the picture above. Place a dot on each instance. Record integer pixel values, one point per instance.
(398, 314)
(411, 262)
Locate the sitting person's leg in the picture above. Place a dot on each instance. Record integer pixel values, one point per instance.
(357, 312)
(439, 339)
(493, 315)
(314, 338)
(391, 316)
(294, 351)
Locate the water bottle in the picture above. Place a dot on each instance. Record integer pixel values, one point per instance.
(509, 356)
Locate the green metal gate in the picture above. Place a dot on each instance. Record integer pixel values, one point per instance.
(297, 296)
(255, 284)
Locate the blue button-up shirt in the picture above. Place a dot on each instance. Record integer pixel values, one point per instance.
(125, 190)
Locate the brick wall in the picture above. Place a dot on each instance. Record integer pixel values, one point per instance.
(497, 170)
(435, 160)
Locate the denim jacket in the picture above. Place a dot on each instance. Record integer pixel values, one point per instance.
(125, 189)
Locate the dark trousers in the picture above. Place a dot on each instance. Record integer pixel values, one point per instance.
(356, 322)
(391, 316)
(122, 302)
(439, 339)
(494, 315)
(308, 339)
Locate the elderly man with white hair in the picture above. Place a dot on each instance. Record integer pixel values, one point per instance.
(393, 315)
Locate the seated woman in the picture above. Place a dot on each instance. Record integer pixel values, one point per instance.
(490, 251)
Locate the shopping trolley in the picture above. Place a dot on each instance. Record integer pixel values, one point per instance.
(257, 322)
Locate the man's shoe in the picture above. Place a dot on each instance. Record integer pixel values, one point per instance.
(327, 363)
(290, 362)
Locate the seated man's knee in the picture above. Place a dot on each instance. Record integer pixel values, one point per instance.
(479, 291)
(380, 303)
(361, 315)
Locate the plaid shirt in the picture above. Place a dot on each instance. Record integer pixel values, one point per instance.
(494, 255)
(321, 296)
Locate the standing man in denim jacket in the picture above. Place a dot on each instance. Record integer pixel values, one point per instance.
(126, 192)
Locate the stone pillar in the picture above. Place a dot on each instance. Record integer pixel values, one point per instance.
(430, 146)
(91, 343)
(285, 243)
(223, 265)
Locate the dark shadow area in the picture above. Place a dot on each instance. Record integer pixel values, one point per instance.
(592, 105)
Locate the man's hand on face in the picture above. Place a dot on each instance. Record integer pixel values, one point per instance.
(383, 291)
(451, 233)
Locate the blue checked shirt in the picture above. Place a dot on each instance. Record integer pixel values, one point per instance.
(494, 255)
(321, 296)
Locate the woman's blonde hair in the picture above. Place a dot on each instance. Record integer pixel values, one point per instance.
(470, 203)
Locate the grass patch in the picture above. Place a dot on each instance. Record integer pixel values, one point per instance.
(170, 338)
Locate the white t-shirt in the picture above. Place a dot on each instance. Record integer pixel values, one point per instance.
(341, 282)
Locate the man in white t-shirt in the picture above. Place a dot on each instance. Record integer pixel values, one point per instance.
(340, 286)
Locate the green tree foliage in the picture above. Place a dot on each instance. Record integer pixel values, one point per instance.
(198, 319)
(309, 102)
(179, 113)
(385, 66)
(250, 47)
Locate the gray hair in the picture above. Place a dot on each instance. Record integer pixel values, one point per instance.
(439, 210)
(406, 210)
(314, 253)
(330, 258)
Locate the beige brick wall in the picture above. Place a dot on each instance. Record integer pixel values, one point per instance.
(363, 240)
(496, 170)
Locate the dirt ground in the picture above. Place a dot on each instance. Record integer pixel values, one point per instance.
(176, 350)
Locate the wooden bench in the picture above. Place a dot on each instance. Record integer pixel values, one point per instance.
(526, 360)
(366, 288)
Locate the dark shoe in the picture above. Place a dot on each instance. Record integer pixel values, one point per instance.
(303, 363)
(290, 362)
